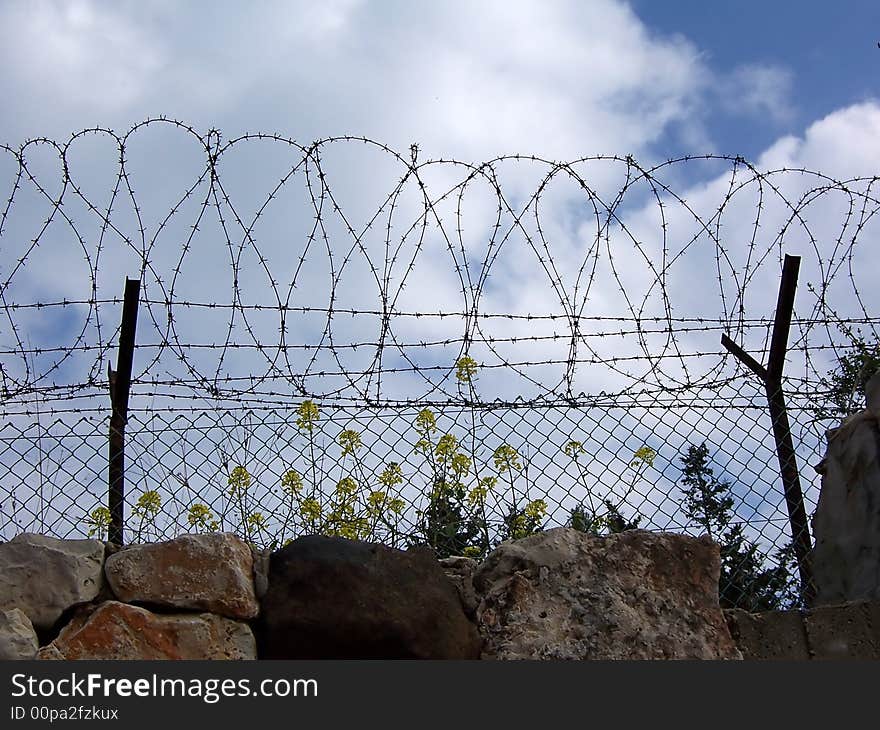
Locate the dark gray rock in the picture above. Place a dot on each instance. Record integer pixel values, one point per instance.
(460, 570)
(332, 598)
(768, 635)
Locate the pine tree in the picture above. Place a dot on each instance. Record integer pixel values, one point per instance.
(745, 581)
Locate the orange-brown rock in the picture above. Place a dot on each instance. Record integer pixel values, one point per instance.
(119, 631)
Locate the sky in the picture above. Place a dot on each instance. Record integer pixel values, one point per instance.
(482, 78)
(781, 84)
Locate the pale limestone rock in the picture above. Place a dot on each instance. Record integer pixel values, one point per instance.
(563, 594)
(846, 524)
(213, 572)
(44, 576)
(118, 631)
(18, 640)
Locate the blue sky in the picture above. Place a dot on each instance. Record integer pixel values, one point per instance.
(783, 84)
(828, 55)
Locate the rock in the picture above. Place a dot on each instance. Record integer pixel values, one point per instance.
(460, 570)
(213, 572)
(261, 571)
(116, 630)
(563, 594)
(846, 524)
(18, 640)
(769, 634)
(44, 576)
(49, 652)
(872, 394)
(842, 632)
(331, 598)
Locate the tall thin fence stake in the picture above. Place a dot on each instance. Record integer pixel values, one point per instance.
(771, 376)
(120, 387)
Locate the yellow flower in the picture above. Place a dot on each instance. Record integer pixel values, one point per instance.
(307, 415)
(200, 515)
(376, 499)
(536, 509)
(292, 481)
(397, 506)
(465, 369)
(350, 441)
(446, 446)
(644, 454)
(477, 495)
(391, 475)
(461, 465)
(346, 486)
(506, 459)
(574, 449)
(149, 503)
(310, 508)
(239, 481)
(100, 520)
(426, 423)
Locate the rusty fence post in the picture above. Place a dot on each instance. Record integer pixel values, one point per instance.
(120, 388)
(771, 376)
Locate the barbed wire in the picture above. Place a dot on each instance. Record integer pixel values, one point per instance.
(305, 356)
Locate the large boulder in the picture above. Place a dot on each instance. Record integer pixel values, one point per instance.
(18, 640)
(118, 631)
(213, 572)
(846, 524)
(563, 594)
(44, 576)
(331, 598)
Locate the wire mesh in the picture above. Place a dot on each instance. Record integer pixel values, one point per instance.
(395, 372)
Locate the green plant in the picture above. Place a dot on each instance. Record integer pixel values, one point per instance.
(445, 524)
(99, 522)
(147, 507)
(845, 384)
(745, 581)
(519, 521)
(466, 369)
(352, 509)
(605, 517)
(200, 517)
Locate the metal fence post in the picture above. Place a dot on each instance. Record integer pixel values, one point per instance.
(771, 376)
(120, 387)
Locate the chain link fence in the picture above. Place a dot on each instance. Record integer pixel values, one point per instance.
(471, 356)
(458, 479)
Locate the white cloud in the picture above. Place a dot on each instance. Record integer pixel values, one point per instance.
(80, 57)
(471, 79)
(757, 90)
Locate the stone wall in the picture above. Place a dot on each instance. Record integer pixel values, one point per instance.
(846, 631)
(557, 594)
